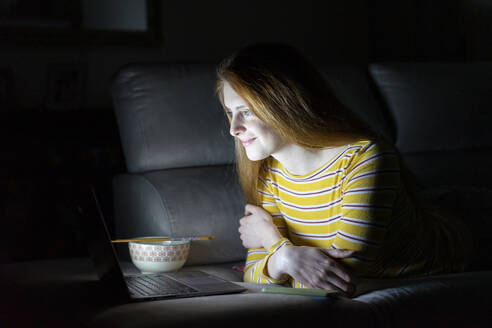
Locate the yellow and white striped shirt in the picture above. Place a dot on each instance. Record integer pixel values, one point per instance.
(355, 201)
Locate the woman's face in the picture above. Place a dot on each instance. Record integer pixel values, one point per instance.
(258, 139)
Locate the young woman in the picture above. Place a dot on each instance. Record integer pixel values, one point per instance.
(326, 199)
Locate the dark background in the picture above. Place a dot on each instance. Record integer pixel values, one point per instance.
(57, 126)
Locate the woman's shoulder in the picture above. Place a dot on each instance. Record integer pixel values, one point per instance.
(372, 153)
(370, 147)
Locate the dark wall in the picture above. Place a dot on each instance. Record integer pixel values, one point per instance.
(437, 30)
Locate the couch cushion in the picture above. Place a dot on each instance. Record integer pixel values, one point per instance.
(351, 86)
(183, 202)
(453, 300)
(442, 116)
(250, 308)
(169, 116)
(466, 168)
(438, 106)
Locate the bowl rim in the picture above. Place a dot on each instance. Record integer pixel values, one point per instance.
(160, 243)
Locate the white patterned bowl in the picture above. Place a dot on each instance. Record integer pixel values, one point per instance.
(161, 256)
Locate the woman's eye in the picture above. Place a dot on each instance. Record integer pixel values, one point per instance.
(246, 113)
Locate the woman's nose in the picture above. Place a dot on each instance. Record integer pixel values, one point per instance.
(237, 126)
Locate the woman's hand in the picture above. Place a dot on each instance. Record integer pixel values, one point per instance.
(257, 228)
(318, 267)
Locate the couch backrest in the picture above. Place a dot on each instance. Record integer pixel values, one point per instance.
(442, 115)
(352, 87)
(169, 116)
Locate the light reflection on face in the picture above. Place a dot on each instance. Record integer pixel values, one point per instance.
(258, 139)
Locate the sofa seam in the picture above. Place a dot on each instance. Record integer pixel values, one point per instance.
(162, 202)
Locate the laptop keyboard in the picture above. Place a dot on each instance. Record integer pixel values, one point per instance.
(156, 285)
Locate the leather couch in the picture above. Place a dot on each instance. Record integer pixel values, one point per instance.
(181, 182)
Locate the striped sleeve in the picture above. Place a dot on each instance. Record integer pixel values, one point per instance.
(256, 261)
(369, 190)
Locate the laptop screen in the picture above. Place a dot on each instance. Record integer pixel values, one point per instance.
(99, 244)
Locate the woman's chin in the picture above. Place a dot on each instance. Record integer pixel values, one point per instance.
(256, 157)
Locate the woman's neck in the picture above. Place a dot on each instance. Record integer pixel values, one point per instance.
(300, 161)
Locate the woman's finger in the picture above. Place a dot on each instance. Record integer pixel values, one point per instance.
(327, 280)
(333, 281)
(249, 209)
(244, 220)
(345, 275)
(338, 270)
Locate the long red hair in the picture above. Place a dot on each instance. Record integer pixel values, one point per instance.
(284, 90)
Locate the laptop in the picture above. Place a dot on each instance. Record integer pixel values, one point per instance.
(142, 287)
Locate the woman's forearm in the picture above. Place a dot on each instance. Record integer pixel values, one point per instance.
(277, 263)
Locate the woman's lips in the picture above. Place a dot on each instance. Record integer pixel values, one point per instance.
(248, 142)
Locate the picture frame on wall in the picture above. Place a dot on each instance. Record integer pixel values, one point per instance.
(22, 20)
(7, 89)
(80, 22)
(65, 86)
